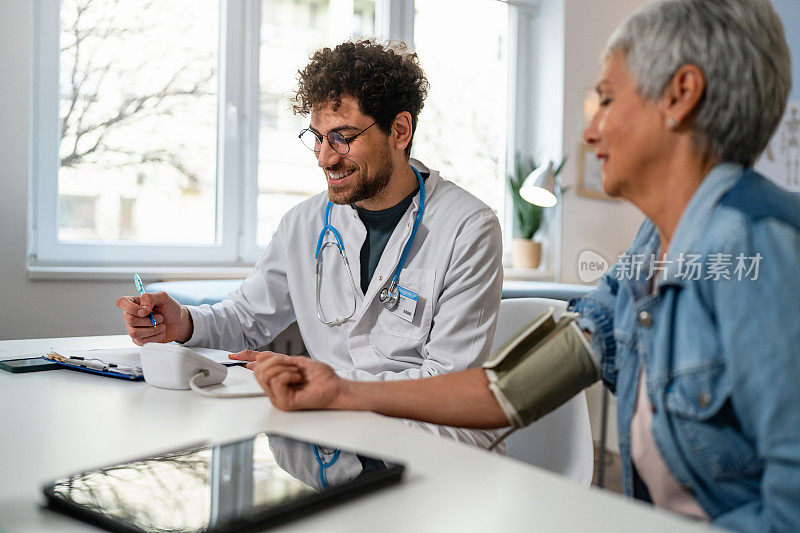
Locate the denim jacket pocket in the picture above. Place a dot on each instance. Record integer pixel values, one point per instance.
(626, 347)
(699, 409)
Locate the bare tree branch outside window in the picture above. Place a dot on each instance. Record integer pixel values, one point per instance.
(138, 118)
(92, 109)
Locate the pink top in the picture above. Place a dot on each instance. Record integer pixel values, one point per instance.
(665, 491)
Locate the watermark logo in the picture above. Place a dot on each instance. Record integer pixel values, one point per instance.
(591, 266)
(684, 266)
(688, 267)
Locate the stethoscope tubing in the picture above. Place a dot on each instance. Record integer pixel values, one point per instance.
(410, 241)
(324, 465)
(327, 226)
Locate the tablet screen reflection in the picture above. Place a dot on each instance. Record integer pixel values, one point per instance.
(207, 486)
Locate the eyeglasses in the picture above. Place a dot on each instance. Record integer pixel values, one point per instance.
(340, 144)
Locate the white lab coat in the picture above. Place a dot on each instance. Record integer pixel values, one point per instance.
(454, 265)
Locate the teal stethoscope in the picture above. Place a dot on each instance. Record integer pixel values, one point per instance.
(324, 465)
(388, 296)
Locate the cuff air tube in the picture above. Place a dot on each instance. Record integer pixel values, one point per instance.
(540, 368)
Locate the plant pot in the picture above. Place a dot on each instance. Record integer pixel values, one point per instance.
(525, 253)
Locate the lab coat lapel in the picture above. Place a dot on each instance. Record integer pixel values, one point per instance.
(354, 240)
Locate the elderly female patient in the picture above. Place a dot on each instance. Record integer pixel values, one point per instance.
(697, 327)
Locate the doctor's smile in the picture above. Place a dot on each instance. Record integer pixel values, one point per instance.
(341, 180)
(338, 176)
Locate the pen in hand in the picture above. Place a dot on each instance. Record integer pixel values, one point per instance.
(140, 287)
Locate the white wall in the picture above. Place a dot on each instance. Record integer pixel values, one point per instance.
(566, 42)
(42, 308)
(603, 226)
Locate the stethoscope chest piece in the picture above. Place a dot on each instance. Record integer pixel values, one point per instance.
(390, 296)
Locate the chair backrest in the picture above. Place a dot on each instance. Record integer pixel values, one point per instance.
(562, 440)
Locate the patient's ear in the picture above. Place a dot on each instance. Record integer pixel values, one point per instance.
(682, 95)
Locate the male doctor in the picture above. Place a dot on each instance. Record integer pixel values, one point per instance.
(385, 282)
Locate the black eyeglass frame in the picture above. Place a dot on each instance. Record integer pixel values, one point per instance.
(319, 136)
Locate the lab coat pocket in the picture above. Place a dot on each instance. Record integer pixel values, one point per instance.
(699, 408)
(420, 282)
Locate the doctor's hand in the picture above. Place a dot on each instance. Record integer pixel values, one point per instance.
(248, 355)
(173, 321)
(295, 383)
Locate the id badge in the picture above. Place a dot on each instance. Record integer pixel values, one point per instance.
(406, 304)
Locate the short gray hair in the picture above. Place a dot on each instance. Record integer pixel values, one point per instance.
(741, 49)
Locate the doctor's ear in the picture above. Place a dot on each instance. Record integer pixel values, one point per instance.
(402, 131)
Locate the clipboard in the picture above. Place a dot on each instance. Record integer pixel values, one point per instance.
(97, 366)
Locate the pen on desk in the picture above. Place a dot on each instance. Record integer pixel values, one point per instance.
(139, 287)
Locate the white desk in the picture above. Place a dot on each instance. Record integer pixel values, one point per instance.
(45, 432)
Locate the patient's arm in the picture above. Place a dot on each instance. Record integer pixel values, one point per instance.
(461, 399)
(548, 375)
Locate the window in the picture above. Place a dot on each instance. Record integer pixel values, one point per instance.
(138, 115)
(77, 217)
(462, 133)
(287, 171)
(133, 112)
(163, 133)
(127, 225)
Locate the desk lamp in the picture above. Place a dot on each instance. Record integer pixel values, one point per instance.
(539, 187)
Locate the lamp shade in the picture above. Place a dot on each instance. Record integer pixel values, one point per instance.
(539, 187)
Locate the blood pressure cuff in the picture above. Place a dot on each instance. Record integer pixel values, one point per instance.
(545, 364)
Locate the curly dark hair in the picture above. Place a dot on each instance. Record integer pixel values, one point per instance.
(385, 80)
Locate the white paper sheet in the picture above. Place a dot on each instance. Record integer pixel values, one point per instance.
(130, 357)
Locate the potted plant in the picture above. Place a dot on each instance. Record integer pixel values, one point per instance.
(525, 252)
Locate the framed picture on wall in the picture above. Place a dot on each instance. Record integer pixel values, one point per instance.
(590, 175)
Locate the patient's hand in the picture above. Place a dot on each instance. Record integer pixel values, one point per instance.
(295, 383)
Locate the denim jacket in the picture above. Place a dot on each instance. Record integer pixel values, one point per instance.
(719, 339)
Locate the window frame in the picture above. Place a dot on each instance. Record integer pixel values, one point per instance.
(45, 248)
(236, 244)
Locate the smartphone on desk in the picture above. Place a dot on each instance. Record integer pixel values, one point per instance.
(28, 364)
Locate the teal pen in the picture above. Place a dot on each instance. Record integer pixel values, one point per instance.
(140, 287)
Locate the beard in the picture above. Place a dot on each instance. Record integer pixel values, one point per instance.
(364, 186)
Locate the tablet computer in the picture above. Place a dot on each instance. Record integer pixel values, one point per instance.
(256, 482)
